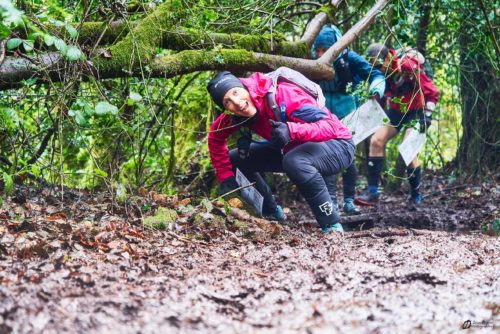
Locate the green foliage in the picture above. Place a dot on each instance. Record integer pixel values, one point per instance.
(73, 53)
(105, 107)
(162, 218)
(10, 15)
(8, 182)
(143, 132)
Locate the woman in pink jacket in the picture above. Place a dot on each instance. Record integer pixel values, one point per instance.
(310, 144)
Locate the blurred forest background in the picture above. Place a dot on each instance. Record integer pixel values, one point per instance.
(132, 127)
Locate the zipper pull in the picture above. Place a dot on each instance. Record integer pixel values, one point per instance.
(283, 112)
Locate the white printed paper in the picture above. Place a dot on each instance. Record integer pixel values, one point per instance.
(249, 194)
(412, 145)
(365, 120)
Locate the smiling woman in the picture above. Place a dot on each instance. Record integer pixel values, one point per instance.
(308, 144)
(237, 100)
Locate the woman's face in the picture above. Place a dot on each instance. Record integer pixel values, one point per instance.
(237, 100)
(320, 51)
(383, 65)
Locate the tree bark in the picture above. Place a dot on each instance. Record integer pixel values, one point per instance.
(479, 149)
(423, 27)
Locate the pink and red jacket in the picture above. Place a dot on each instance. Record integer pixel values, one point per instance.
(305, 119)
(408, 83)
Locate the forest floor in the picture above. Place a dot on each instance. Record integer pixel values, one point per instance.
(73, 261)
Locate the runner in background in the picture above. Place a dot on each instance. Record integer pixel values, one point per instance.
(409, 95)
(350, 70)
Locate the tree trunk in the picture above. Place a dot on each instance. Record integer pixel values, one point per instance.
(479, 148)
(422, 27)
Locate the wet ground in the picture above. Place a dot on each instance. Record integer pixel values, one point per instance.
(83, 265)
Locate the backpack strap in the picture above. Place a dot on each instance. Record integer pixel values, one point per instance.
(271, 102)
(343, 71)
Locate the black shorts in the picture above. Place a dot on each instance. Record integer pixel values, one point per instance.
(399, 120)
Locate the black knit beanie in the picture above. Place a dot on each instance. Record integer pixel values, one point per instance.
(220, 84)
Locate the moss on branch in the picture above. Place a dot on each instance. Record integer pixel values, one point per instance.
(196, 60)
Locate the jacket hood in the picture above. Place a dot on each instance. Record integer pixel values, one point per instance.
(328, 36)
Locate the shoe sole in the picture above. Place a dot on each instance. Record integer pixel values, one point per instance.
(360, 202)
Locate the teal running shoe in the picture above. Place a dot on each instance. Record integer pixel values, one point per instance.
(349, 208)
(335, 227)
(276, 215)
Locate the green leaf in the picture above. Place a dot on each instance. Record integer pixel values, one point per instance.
(4, 31)
(79, 116)
(28, 45)
(49, 40)
(8, 183)
(496, 226)
(10, 15)
(29, 82)
(136, 97)
(71, 31)
(14, 43)
(100, 172)
(207, 204)
(219, 59)
(73, 53)
(57, 23)
(35, 170)
(61, 45)
(105, 107)
(210, 15)
(176, 4)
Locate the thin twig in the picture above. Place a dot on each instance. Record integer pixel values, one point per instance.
(232, 191)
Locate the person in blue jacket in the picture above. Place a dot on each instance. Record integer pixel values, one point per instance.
(350, 68)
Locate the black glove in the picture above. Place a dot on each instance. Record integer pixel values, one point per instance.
(425, 120)
(227, 185)
(280, 133)
(243, 145)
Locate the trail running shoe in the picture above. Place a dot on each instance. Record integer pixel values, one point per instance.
(335, 227)
(276, 215)
(349, 208)
(368, 198)
(414, 202)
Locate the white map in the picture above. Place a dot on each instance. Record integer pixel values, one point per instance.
(412, 145)
(249, 194)
(367, 119)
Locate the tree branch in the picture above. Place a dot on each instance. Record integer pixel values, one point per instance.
(192, 61)
(13, 71)
(313, 28)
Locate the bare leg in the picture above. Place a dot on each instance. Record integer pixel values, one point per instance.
(380, 139)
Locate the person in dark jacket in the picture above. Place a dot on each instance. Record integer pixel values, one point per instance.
(410, 95)
(350, 68)
(310, 145)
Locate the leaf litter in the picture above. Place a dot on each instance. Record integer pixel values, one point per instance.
(78, 262)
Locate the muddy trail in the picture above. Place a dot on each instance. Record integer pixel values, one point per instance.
(79, 262)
